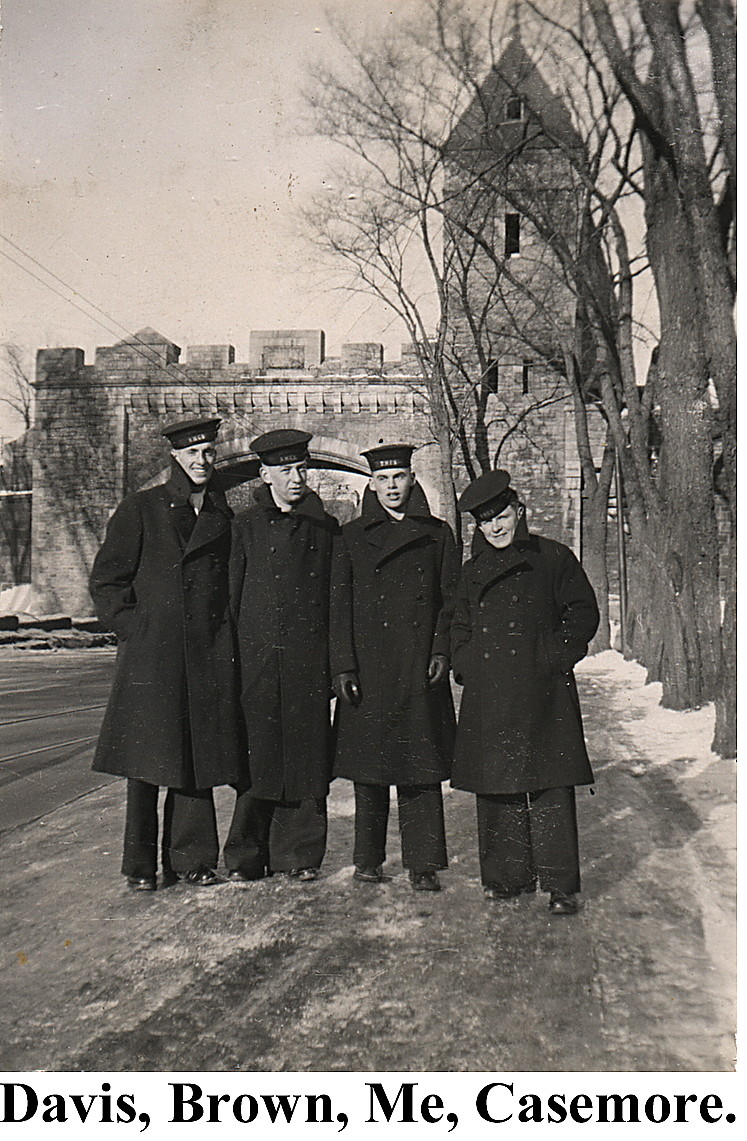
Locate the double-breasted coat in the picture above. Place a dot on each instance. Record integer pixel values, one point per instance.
(523, 617)
(404, 579)
(290, 591)
(160, 582)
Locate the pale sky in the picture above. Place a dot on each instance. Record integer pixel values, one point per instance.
(151, 161)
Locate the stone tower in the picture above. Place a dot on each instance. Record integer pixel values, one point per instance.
(513, 199)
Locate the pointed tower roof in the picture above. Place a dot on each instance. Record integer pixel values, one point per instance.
(514, 109)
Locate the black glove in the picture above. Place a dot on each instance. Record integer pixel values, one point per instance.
(347, 688)
(438, 667)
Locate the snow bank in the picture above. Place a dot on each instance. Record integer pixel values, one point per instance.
(664, 735)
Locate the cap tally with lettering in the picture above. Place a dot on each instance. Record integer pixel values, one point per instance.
(389, 455)
(185, 433)
(487, 495)
(282, 446)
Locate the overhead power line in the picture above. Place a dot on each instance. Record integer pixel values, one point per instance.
(132, 338)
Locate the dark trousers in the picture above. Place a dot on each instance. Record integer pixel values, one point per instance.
(190, 835)
(276, 836)
(529, 837)
(421, 826)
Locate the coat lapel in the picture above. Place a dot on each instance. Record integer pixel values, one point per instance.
(490, 565)
(195, 531)
(213, 520)
(388, 536)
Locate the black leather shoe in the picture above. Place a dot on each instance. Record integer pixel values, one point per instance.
(369, 875)
(238, 875)
(200, 877)
(562, 903)
(141, 883)
(425, 881)
(305, 875)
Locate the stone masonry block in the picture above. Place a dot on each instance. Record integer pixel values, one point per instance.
(362, 356)
(332, 400)
(58, 366)
(210, 356)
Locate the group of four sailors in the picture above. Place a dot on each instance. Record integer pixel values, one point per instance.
(374, 613)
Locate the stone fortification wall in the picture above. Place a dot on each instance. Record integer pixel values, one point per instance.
(97, 434)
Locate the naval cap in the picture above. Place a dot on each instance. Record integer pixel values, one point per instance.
(389, 455)
(488, 495)
(185, 433)
(282, 446)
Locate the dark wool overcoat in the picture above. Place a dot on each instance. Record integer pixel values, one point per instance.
(290, 592)
(160, 582)
(523, 617)
(404, 580)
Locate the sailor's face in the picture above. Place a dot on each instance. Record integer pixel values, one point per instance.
(198, 461)
(392, 486)
(288, 481)
(501, 529)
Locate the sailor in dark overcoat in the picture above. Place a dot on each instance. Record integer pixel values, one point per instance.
(524, 615)
(290, 590)
(395, 722)
(160, 582)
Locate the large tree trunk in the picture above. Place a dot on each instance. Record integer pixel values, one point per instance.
(680, 548)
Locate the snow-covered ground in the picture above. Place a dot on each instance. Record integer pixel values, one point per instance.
(664, 735)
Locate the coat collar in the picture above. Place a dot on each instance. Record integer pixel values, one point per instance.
(213, 519)
(389, 535)
(490, 564)
(311, 506)
(372, 513)
(179, 488)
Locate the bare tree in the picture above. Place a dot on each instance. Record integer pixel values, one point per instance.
(683, 105)
(16, 392)
(389, 222)
(653, 210)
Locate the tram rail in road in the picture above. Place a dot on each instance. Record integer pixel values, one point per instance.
(50, 714)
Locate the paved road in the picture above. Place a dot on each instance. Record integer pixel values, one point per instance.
(51, 705)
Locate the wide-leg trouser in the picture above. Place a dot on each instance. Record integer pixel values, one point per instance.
(190, 835)
(529, 837)
(276, 835)
(421, 826)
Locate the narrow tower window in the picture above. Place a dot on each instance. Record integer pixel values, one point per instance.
(489, 378)
(514, 109)
(526, 366)
(513, 232)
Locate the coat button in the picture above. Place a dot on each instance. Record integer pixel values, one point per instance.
(484, 629)
(312, 574)
(512, 625)
(486, 654)
(273, 549)
(277, 576)
(515, 598)
(512, 652)
(416, 625)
